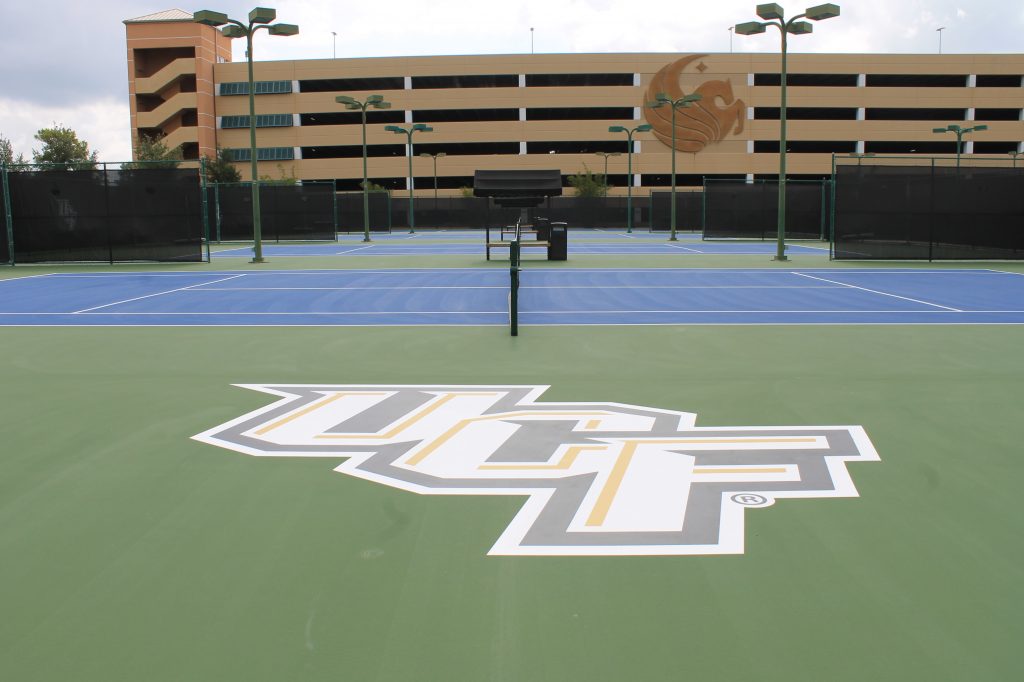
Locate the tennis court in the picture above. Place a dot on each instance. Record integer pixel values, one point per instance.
(182, 496)
(548, 297)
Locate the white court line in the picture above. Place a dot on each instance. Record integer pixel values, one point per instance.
(15, 279)
(880, 293)
(275, 313)
(341, 253)
(159, 293)
(684, 248)
(505, 286)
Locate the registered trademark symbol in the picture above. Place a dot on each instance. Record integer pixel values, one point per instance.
(752, 500)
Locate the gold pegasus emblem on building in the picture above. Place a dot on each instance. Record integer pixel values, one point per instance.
(702, 123)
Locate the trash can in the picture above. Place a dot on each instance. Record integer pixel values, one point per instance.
(558, 243)
(543, 227)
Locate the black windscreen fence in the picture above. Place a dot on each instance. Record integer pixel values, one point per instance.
(928, 213)
(107, 215)
(750, 210)
(479, 212)
(287, 212)
(349, 211)
(689, 211)
(600, 212)
(5, 235)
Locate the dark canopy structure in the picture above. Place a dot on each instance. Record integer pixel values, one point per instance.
(517, 188)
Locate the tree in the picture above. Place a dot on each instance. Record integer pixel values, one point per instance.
(219, 168)
(589, 184)
(7, 153)
(155, 153)
(62, 147)
(283, 180)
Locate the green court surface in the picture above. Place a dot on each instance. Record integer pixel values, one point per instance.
(130, 551)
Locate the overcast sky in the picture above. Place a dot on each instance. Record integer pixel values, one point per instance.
(64, 61)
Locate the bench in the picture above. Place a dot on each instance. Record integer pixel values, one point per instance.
(522, 245)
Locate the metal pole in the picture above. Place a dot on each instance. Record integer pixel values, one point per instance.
(629, 183)
(959, 144)
(672, 238)
(257, 231)
(780, 252)
(412, 208)
(434, 157)
(366, 182)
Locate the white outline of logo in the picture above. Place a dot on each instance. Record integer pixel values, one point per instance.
(601, 479)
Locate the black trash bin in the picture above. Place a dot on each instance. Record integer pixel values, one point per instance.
(558, 243)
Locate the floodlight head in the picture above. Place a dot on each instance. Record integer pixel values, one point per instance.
(656, 104)
(616, 129)
(344, 99)
(662, 98)
(980, 127)
(749, 28)
(644, 128)
(381, 105)
(210, 18)
(283, 30)
(690, 99)
(233, 31)
(262, 15)
(374, 98)
(422, 127)
(800, 28)
(440, 154)
(821, 12)
(394, 129)
(770, 11)
(940, 130)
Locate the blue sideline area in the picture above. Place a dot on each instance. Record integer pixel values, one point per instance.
(462, 297)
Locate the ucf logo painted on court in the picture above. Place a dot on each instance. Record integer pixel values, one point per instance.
(599, 478)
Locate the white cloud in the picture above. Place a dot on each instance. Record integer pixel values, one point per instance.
(103, 123)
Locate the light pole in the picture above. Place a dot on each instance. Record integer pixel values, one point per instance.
(661, 100)
(774, 16)
(605, 156)
(1014, 155)
(415, 128)
(939, 31)
(435, 157)
(629, 172)
(334, 44)
(376, 102)
(959, 132)
(730, 38)
(258, 18)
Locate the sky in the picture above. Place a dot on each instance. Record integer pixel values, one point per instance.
(64, 61)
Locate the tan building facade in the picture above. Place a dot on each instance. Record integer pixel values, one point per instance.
(539, 111)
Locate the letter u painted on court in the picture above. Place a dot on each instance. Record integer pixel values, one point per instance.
(598, 478)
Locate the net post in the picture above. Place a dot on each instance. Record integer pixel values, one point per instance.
(513, 308)
(8, 222)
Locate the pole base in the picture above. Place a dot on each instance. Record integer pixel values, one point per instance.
(366, 240)
(673, 239)
(779, 258)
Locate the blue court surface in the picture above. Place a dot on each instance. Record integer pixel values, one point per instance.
(548, 296)
(409, 247)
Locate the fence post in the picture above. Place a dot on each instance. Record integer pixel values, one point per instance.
(8, 215)
(205, 205)
(334, 210)
(106, 205)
